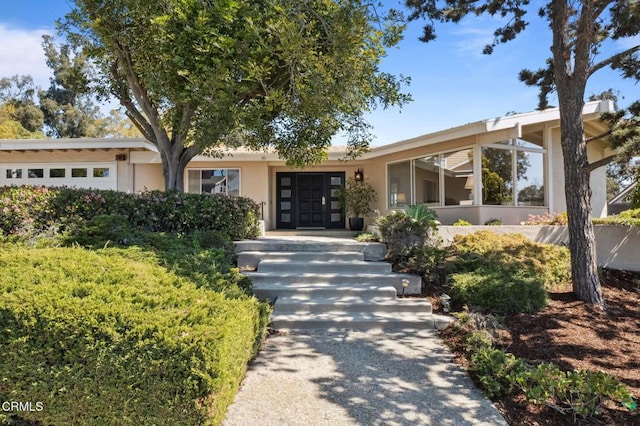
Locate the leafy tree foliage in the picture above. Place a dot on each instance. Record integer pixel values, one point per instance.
(579, 30)
(20, 118)
(285, 74)
(69, 110)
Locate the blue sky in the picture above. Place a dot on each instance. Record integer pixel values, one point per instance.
(452, 82)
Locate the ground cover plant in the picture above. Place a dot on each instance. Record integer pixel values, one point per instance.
(572, 336)
(560, 362)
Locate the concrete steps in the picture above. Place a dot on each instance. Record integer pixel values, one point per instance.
(329, 283)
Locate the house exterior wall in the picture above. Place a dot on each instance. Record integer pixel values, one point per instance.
(81, 157)
(598, 178)
(148, 177)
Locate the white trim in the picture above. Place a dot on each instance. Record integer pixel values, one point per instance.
(79, 143)
(549, 190)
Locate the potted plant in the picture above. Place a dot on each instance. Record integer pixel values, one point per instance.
(357, 198)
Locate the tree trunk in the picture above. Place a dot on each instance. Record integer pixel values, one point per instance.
(582, 244)
(173, 164)
(571, 63)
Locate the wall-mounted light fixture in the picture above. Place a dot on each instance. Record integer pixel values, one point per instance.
(358, 175)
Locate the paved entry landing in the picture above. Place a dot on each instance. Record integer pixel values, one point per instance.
(332, 283)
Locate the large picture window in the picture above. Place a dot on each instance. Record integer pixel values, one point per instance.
(436, 180)
(511, 173)
(399, 184)
(214, 181)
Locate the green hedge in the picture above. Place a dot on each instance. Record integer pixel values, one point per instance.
(27, 209)
(627, 217)
(104, 338)
(505, 273)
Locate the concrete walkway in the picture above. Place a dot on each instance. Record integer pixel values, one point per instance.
(358, 378)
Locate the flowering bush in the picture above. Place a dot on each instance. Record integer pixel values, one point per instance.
(35, 209)
(547, 219)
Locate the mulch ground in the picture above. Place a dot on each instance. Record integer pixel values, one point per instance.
(574, 336)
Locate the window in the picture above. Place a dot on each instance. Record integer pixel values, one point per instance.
(14, 173)
(530, 182)
(399, 184)
(513, 173)
(57, 173)
(214, 181)
(444, 179)
(79, 173)
(427, 178)
(101, 172)
(457, 176)
(35, 173)
(497, 176)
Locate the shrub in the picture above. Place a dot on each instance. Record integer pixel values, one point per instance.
(461, 222)
(425, 259)
(422, 214)
(578, 392)
(99, 231)
(38, 208)
(367, 237)
(109, 337)
(499, 291)
(498, 373)
(494, 222)
(492, 369)
(627, 217)
(412, 243)
(547, 219)
(512, 252)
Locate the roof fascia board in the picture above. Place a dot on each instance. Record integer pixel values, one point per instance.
(549, 117)
(81, 143)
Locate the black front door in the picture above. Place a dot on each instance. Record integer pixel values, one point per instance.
(309, 200)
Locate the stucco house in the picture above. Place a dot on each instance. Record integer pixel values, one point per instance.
(505, 168)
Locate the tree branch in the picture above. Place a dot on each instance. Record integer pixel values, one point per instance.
(137, 88)
(610, 60)
(132, 112)
(597, 137)
(602, 162)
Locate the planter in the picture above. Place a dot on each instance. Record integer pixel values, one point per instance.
(356, 223)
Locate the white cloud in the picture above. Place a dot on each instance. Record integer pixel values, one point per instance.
(21, 53)
(473, 33)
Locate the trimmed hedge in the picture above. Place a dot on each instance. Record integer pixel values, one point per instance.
(100, 337)
(505, 273)
(37, 209)
(627, 217)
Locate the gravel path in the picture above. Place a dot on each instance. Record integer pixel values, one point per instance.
(358, 378)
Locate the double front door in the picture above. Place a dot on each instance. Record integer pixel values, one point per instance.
(309, 200)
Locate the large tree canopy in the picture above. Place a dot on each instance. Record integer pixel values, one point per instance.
(196, 75)
(20, 118)
(68, 107)
(579, 28)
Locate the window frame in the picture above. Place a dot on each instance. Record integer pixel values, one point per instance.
(201, 169)
(477, 168)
